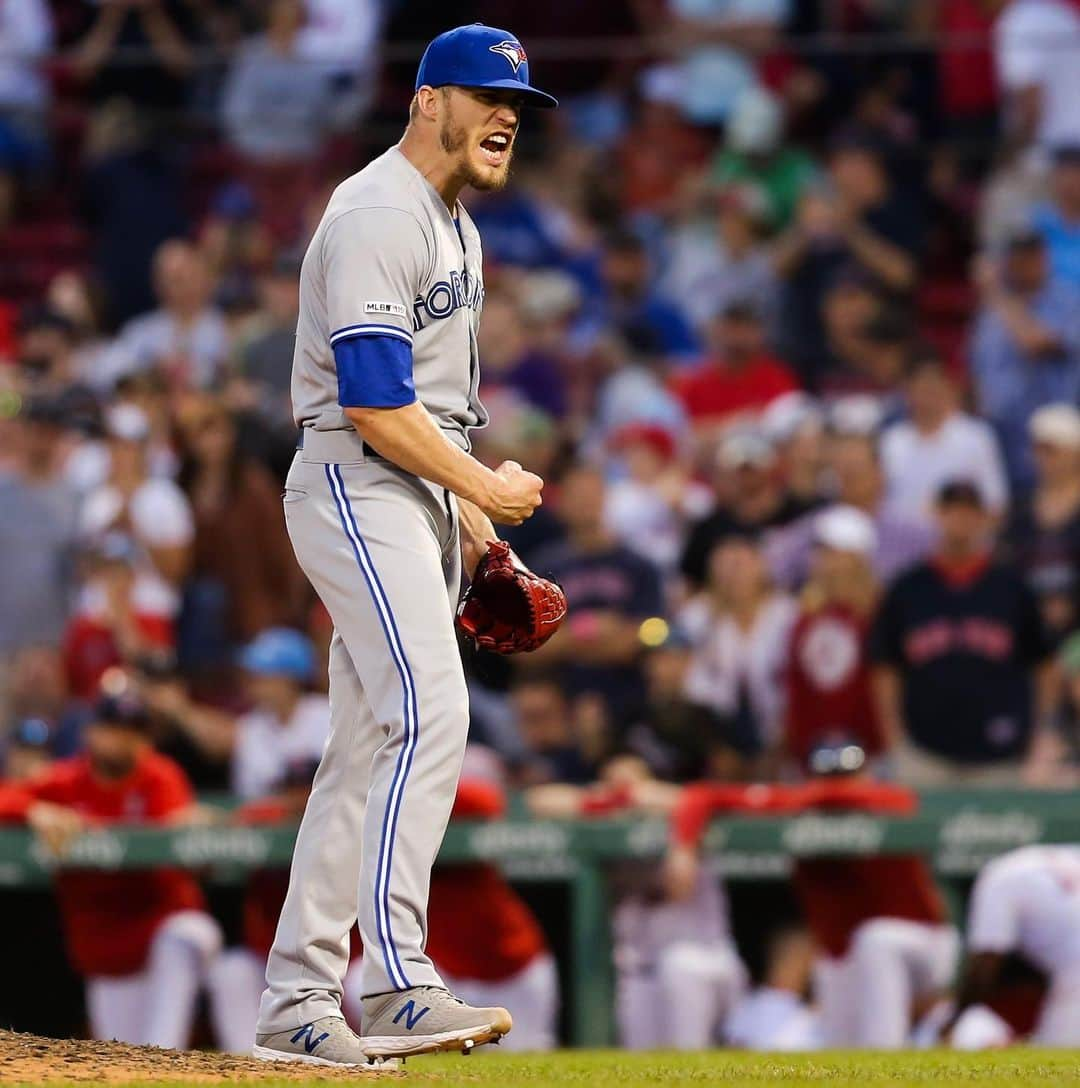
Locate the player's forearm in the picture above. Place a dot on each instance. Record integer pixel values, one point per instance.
(476, 530)
(411, 439)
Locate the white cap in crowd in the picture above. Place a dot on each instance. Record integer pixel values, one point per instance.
(745, 449)
(846, 529)
(127, 422)
(1057, 425)
(858, 415)
(789, 414)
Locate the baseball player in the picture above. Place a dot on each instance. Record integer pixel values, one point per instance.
(143, 940)
(383, 505)
(1028, 902)
(878, 921)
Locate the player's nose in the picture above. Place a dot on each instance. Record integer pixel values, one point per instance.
(508, 115)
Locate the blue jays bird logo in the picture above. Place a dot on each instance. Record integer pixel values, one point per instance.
(512, 51)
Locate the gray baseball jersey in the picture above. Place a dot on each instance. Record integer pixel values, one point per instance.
(388, 266)
(388, 258)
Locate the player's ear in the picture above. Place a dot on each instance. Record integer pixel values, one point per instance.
(425, 104)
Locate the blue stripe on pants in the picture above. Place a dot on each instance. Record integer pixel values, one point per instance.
(394, 970)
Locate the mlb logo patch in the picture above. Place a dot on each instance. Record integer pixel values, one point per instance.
(512, 51)
(394, 308)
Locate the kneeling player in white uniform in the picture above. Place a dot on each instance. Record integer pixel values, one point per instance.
(1027, 902)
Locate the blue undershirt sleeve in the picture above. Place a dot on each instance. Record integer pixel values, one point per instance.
(374, 371)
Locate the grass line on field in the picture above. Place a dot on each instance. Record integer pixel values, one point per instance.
(608, 1069)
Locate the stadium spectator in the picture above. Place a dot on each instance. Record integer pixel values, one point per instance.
(611, 592)
(720, 257)
(862, 220)
(740, 376)
(342, 36)
(560, 743)
(1027, 902)
(151, 510)
(131, 201)
(739, 627)
(828, 667)
(720, 42)
(659, 148)
(141, 50)
(513, 360)
(237, 590)
(26, 36)
(678, 739)
(1058, 220)
(1025, 346)
(35, 687)
(47, 360)
(38, 534)
(186, 337)
(263, 359)
(751, 499)
(1042, 536)
(276, 101)
(142, 939)
(870, 362)
(120, 617)
(1037, 57)
(285, 724)
(795, 426)
(856, 468)
(631, 305)
(962, 679)
(838, 362)
(754, 156)
(27, 752)
(938, 442)
(653, 496)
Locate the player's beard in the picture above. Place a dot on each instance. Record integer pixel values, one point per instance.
(455, 141)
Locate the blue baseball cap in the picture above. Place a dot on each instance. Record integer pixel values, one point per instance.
(479, 56)
(280, 651)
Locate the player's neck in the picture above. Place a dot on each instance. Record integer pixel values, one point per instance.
(435, 166)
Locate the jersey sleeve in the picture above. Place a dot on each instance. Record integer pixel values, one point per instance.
(375, 261)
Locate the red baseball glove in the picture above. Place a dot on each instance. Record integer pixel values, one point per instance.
(507, 608)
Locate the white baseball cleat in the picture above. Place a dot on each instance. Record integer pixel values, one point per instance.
(426, 1019)
(326, 1041)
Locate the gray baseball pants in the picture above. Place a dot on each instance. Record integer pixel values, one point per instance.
(380, 546)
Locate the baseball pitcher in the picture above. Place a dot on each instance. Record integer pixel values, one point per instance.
(383, 505)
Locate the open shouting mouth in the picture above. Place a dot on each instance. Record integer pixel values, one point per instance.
(496, 148)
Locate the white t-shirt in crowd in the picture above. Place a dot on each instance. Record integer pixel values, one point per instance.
(643, 520)
(159, 516)
(1037, 43)
(157, 338)
(727, 660)
(1029, 902)
(916, 464)
(265, 747)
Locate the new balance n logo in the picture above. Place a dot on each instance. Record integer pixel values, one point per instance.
(412, 1017)
(305, 1034)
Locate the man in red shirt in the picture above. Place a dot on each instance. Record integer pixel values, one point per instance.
(741, 376)
(885, 948)
(142, 938)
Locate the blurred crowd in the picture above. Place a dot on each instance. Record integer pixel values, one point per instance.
(790, 332)
(784, 305)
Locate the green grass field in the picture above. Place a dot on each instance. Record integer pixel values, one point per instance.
(601, 1069)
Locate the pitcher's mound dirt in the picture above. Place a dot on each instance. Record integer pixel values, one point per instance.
(31, 1059)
